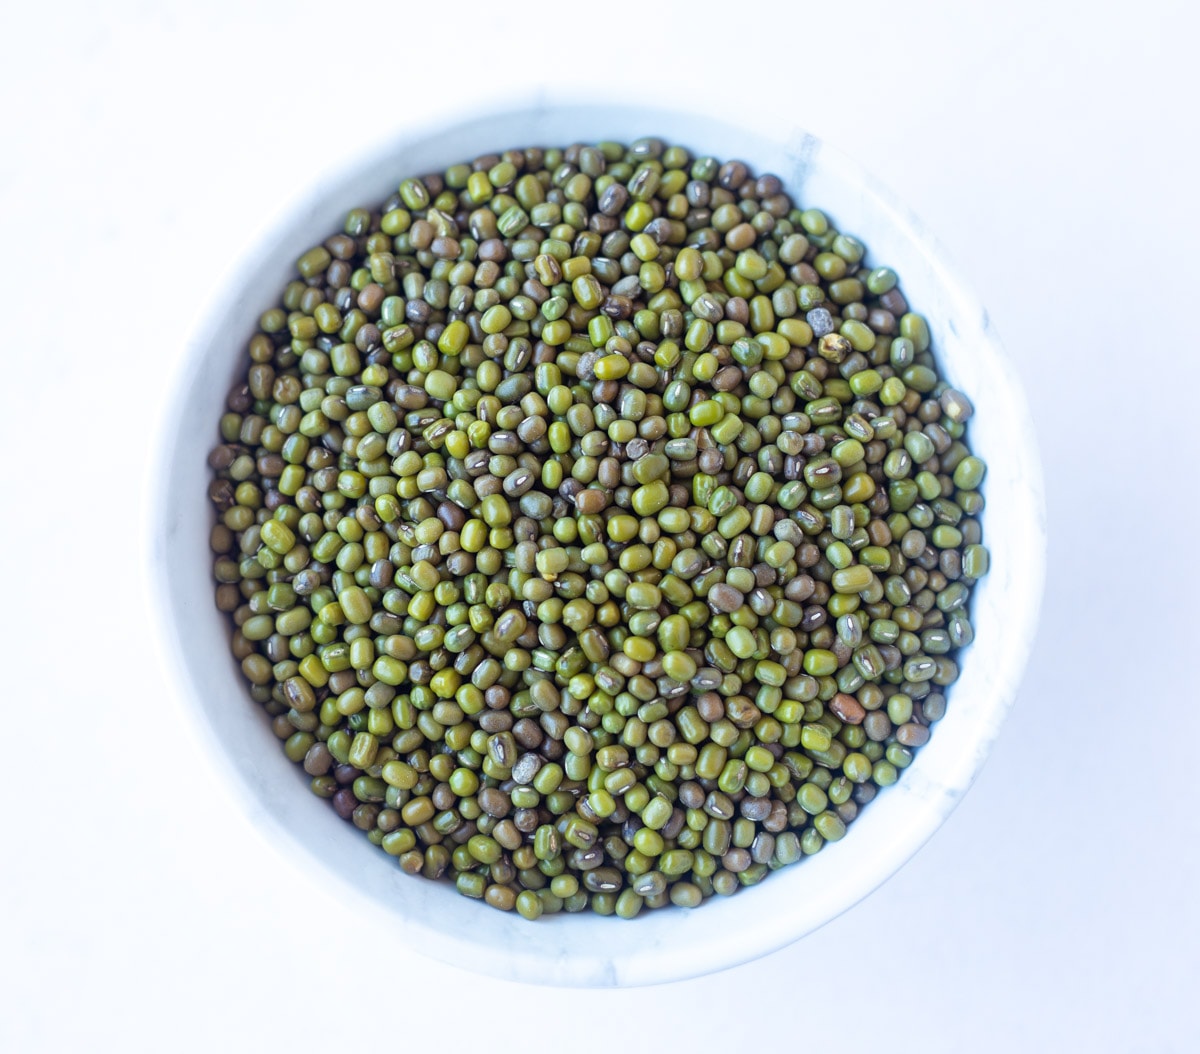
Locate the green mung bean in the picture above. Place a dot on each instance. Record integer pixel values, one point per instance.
(595, 527)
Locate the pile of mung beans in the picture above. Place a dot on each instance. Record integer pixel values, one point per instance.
(595, 528)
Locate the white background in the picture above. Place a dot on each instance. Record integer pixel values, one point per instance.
(1052, 149)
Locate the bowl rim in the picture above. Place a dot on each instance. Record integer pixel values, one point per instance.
(590, 966)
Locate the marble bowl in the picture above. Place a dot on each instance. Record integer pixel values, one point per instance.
(673, 943)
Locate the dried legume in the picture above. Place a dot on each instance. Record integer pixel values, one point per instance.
(595, 527)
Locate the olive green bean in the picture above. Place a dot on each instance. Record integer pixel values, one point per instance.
(594, 527)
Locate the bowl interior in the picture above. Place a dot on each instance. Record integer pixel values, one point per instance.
(672, 943)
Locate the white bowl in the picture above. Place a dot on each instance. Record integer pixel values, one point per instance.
(673, 943)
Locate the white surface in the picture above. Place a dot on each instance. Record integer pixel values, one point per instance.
(664, 945)
(1052, 150)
